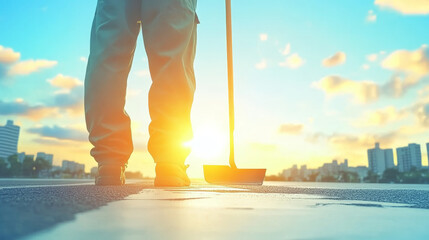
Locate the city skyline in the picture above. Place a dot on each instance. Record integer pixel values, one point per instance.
(331, 171)
(9, 140)
(311, 83)
(378, 159)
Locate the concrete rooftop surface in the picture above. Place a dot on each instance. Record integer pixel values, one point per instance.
(79, 210)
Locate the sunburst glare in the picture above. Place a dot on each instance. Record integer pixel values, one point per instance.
(208, 143)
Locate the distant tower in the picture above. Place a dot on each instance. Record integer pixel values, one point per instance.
(303, 171)
(408, 157)
(9, 135)
(380, 159)
(345, 165)
(48, 157)
(388, 157)
(427, 150)
(21, 157)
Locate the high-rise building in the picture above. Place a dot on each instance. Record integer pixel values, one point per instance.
(291, 173)
(380, 159)
(427, 150)
(46, 156)
(72, 166)
(345, 165)
(303, 171)
(328, 169)
(22, 156)
(388, 155)
(408, 157)
(9, 135)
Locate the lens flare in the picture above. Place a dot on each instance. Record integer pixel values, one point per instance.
(208, 143)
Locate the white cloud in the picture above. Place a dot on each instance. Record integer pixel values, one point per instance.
(293, 61)
(21, 108)
(398, 85)
(420, 109)
(286, 50)
(70, 96)
(291, 128)
(69, 100)
(412, 62)
(381, 117)
(418, 7)
(371, 17)
(7, 55)
(261, 65)
(422, 114)
(83, 59)
(10, 64)
(263, 37)
(29, 66)
(64, 82)
(362, 91)
(365, 67)
(409, 69)
(372, 57)
(334, 60)
(60, 133)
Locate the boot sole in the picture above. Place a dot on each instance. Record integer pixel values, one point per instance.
(109, 181)
(170, 181)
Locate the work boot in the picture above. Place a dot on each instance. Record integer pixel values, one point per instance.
(171, 175)
(110, 175)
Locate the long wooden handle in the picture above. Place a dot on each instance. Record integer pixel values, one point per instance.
(230, 82)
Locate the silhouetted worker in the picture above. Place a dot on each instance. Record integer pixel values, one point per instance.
(169, 33)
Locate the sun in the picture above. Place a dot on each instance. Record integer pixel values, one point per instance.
(208, 142)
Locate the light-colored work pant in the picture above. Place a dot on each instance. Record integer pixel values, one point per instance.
(169, 33)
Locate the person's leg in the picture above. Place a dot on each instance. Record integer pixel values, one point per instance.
(169, 33)
(113, 38)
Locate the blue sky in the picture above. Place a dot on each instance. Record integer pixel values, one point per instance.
(315, 80)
